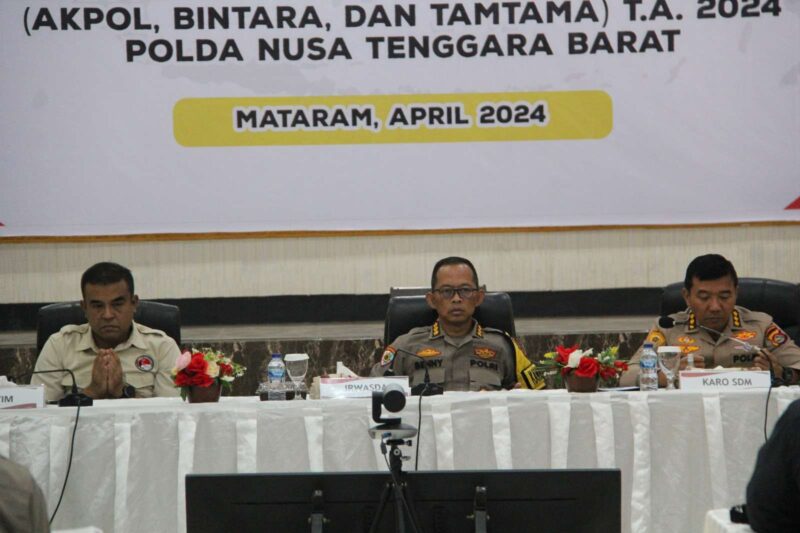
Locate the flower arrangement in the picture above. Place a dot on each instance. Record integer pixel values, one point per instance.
(584, 364)
(204, 368)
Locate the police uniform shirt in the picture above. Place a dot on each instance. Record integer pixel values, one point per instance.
(147, 359)
(481, 360)
(752, 327)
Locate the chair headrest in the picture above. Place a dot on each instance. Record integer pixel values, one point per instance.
(51, 318)
(407, 312)
(779, 299)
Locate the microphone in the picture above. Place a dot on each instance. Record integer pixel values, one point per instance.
(72, 398)
(426, 388)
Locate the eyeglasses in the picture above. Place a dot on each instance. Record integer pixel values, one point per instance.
(463, 292)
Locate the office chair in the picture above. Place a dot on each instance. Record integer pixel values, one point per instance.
(406, 312)
(779, 299)
(51, 318)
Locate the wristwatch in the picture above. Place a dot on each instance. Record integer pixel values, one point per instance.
(128, 391)
(787, 375)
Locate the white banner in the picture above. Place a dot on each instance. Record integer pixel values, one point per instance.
(190, 116)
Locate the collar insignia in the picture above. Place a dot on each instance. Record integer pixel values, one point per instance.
(692, 323)
(737, 320)
(428, 352)
(485, 353)
(145, 363)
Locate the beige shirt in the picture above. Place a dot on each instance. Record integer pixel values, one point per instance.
(484, 359)
(147, 358)
(22, 505)
(752, 327)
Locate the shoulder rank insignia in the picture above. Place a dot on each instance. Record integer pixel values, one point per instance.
(436, 329)
(689, 349)
(656, 337)
(485, 353)
(428, 352)
(478, 331)
(692, 322)
(775, 335)
(686, 340)
(744, 335)
(145, 363)
(388, 356)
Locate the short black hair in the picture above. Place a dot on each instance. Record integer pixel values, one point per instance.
(106, 273)
(708, 267)
(453, 261)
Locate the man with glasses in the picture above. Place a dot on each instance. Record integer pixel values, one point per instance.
(458, 353)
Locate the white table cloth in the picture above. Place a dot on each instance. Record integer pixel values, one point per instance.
(719, 521)
(680, 453)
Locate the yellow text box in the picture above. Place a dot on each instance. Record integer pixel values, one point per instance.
(404, 118)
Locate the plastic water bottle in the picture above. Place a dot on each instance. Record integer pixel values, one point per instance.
(648, 369)
(276, 375)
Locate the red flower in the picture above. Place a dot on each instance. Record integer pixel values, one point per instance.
(608, 372)
(622, 366)
(195, 374)
(563, 354)
(225, 369)
(587, 367)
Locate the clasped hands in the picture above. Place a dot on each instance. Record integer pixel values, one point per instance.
(106, 376)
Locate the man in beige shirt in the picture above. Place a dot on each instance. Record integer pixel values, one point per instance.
(714, 331)
(458, 353)
(111, 356)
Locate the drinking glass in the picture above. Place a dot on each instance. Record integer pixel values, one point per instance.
(296, 369)
(669, 358)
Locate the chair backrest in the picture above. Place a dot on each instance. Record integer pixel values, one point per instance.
(407, 312)
(53, 317)
(779, 299)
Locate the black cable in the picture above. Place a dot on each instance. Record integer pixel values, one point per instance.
(69, 462)
(766, 410)
(419, 426)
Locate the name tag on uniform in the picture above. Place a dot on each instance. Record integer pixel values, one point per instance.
(22, 396)
(358, 387)
(724, 379)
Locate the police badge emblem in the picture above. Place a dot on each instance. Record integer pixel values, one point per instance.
(145, 363)
(388, 356)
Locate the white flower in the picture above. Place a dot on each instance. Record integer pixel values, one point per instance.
(213, 369)
(227, 379)
(575, 357)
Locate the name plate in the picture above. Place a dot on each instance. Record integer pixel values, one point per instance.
(724, 379)
(22, 397)
(358, 387)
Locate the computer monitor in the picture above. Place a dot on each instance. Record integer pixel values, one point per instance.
(568, 501)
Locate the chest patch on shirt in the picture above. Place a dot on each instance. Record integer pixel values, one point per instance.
(388, 356)
(428, 352)
(657, 338)
(689, 349)
(145, 363)
(686, 340)
(485, 353)
(775, 335)
(745, 335)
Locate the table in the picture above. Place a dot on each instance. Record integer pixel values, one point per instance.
(681, 453)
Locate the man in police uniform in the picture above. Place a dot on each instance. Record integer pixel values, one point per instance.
(710, 293)
(111, 356)
(460, 354)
